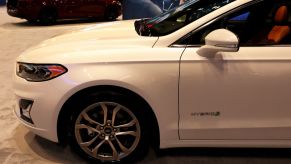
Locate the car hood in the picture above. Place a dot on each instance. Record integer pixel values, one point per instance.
(88, 41)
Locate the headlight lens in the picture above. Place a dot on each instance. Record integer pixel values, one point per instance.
(39, 72)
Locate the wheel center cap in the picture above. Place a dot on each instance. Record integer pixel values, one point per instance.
(108, 130)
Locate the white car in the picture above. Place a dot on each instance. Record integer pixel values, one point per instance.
(209, 73)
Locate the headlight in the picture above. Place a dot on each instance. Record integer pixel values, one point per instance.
(39, 72)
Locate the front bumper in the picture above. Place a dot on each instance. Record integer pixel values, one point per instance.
(26, 12)
(45, 108)
(14, 12)
(38, 131)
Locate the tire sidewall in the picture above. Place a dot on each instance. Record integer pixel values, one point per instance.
(48, 16)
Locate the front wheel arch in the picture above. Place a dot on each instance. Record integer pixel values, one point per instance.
(111, 12)
(66, 109)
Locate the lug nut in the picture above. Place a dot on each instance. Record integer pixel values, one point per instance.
(108, 122)
(101, 128)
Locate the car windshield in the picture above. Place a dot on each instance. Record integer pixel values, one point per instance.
(178, 17)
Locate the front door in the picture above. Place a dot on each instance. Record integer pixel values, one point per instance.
(69, 9)
(238, 95)
(93, 8)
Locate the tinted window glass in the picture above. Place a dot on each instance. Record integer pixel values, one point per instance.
(178, 17)
(253, 27)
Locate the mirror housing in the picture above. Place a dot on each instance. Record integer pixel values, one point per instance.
(220, 40)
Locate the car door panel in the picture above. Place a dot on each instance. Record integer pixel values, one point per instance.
(93, 8)
(241, 95)
(70, 9)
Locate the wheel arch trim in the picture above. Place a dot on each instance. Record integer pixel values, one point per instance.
(114, 87)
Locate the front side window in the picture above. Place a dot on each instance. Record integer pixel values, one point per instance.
(253, 26)
(178, 17)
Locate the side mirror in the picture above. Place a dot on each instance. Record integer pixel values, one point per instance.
(220, 40)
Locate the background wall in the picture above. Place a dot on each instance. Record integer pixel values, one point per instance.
(134, 9)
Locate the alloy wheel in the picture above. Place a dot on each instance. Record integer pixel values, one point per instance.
(107, 131)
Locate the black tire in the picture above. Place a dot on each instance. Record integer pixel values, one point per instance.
(48, 16)
(32, 21)
(111, 13)
(137, 149)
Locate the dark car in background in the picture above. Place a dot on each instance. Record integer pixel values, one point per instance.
(48, 11)
(2, 2)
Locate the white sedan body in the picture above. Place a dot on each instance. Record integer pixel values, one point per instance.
(235, 99)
